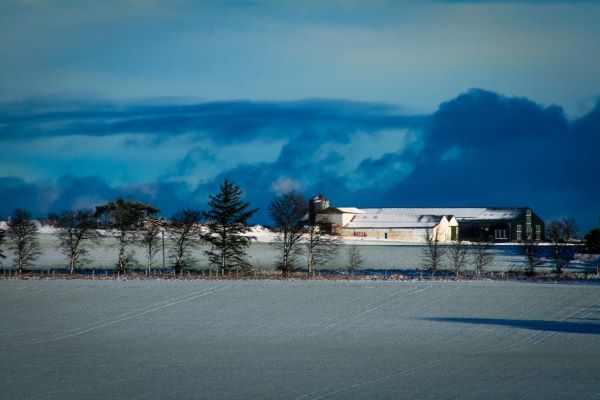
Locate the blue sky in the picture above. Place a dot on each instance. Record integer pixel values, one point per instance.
(391, 103)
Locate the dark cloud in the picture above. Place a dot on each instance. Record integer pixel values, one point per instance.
(509, 151)
(16, 193)
(520, 1)
(479, 149)
(225, 122)
(479, 118)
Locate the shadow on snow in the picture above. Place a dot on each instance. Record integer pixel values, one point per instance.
(537, 325)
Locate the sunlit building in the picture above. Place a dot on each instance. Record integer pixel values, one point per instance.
(492, 224)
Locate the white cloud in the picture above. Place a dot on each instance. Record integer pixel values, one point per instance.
(285, 185)
(362, 145)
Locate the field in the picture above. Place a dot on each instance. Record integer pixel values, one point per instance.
(298, 340)
(264, 256)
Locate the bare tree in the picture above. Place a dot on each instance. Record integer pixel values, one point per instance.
(289, 211)
(227, 221)
(570, 229)
(2, 239)
(482, 255)
(433, 252)
(185, 234)
(22, 233)
(560, 232)
(457, 253)
(320, 247)
(76, 230)
(355, 260)
(150, 240)
(124, 218)
(533, 258)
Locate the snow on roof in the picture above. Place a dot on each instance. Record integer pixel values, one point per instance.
(344, 210)
(501, 213)
(377, 220)
(411, 215)
(457, 212)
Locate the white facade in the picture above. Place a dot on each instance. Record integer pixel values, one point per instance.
(388, 224)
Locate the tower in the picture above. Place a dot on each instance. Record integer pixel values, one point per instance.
(315, 206)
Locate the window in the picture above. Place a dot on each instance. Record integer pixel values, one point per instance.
(501, 234)
(519, 232)
(538, 232)
(453, 233)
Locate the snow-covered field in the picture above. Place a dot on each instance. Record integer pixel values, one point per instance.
(264, 255)
(298, 340)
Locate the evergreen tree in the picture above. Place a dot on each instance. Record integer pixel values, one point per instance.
(227, 221)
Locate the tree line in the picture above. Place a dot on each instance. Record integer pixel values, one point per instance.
(561, 235)
(133, 224)
(224, 226)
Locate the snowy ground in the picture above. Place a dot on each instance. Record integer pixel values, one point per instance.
(264, 256)
(298, 340)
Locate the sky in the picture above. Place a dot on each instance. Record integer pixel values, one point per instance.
(371, 103)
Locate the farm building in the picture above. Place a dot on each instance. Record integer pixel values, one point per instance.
(493, 224)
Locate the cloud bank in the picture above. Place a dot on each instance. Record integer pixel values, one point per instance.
(478, 149)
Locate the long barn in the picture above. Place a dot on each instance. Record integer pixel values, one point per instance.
(492, 224)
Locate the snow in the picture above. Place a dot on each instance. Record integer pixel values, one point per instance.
(299, 340)
(381, 254)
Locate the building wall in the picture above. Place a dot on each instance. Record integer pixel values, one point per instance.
(445, 229)
(334, 219)
(337, 219)
(409, 235)
(525, 220)
(504, 230)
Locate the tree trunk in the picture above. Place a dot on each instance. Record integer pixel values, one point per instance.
(223, 259)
